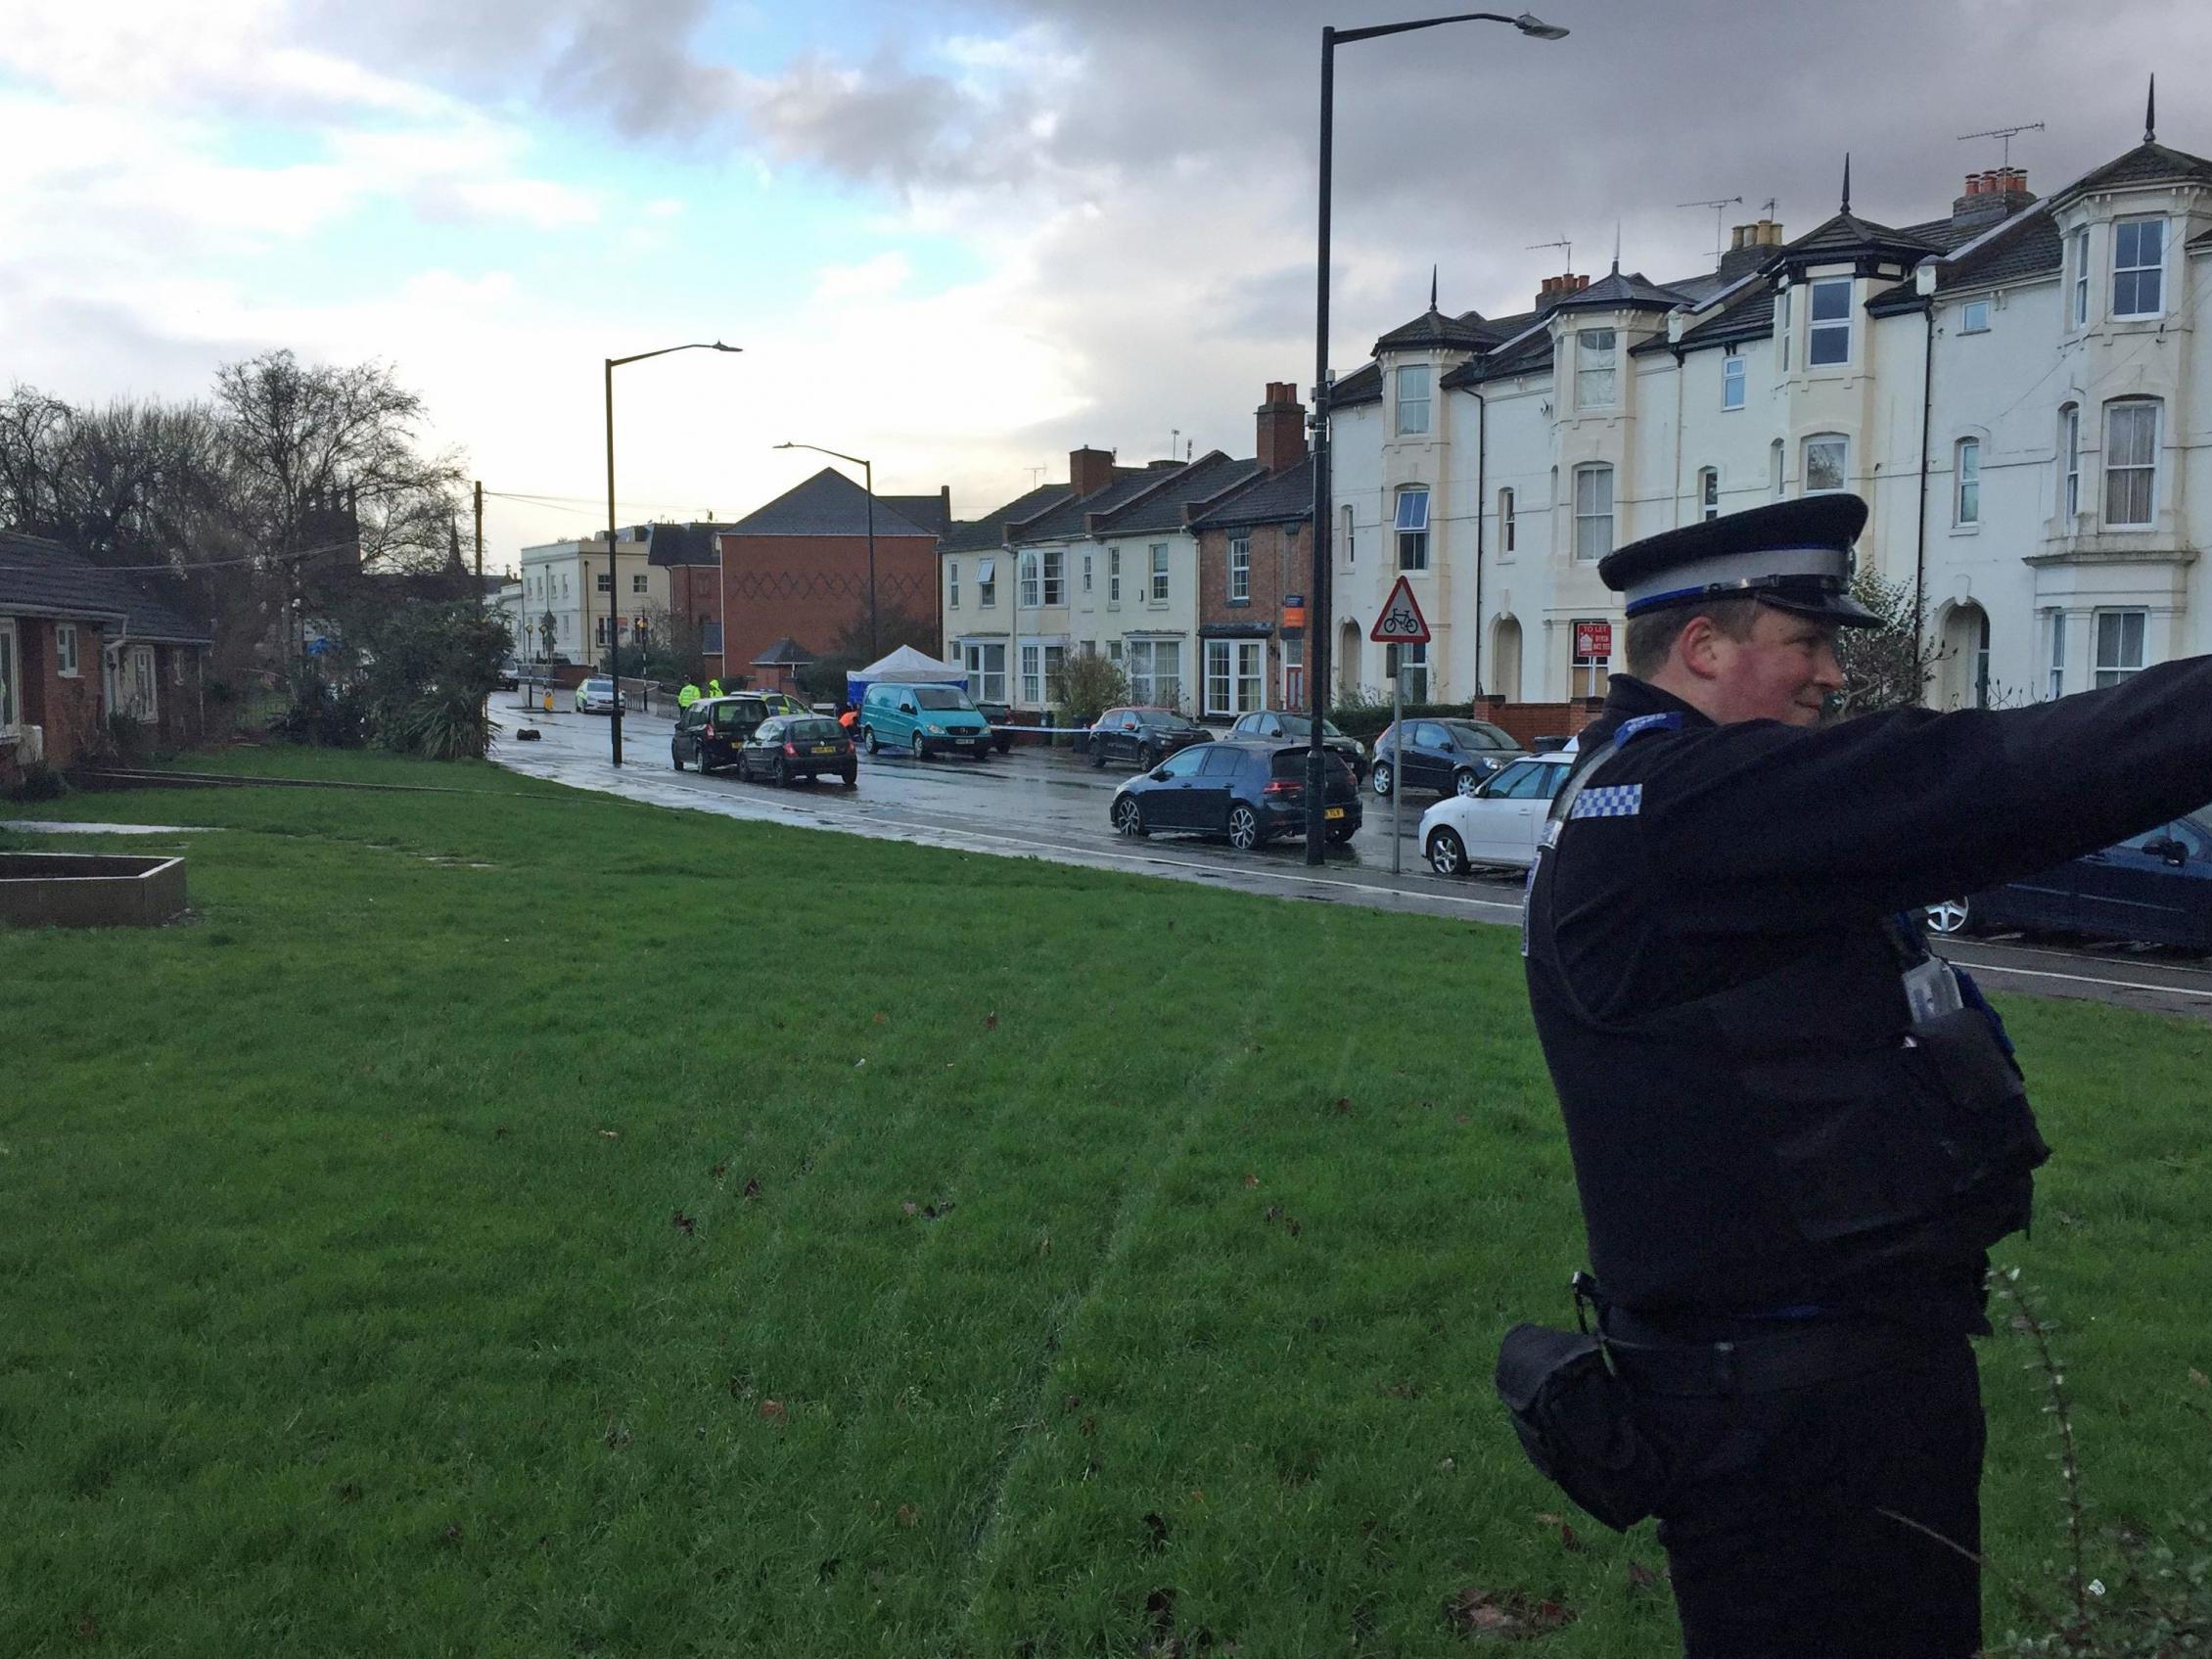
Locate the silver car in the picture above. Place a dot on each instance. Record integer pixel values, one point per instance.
(598, 696)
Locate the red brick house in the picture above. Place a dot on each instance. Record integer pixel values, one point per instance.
(78, 642)
(1254, 550)
(794, 573)
(691, 555)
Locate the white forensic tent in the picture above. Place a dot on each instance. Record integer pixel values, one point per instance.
(903, 667)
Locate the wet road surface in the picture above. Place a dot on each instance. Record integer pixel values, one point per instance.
(1051, 804)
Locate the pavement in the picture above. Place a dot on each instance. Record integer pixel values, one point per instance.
(1053, 804)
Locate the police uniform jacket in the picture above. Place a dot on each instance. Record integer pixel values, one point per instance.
(1716, 946)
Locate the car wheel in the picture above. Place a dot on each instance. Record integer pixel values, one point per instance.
(914, 744)
(1128, 816)
(1244, 827)
(1948, 917)
(1097, 755)
(704, 767)
(868, 739)
(1465, 781)
(1383, 779)
(852, 776)
(783, 774)
(1340, 835)
(1448, 854)
(675, 759)
(1148, 757)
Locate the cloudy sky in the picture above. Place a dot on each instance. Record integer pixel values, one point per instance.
(957, 238)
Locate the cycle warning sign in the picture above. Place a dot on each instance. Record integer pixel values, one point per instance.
(1401, 621)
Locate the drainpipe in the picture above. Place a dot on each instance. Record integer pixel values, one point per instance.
(1920, 538)
(1482, 505)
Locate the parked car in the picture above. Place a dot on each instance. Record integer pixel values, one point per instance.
(598, 696)
(781, 703)
(1288, 726)
(1499, 823)
(1447, 757)
(508, 676)
(1248, 789)
(2154, 889)
(784, 747)
(923, 721)
(713, 729)
(1144, 735)
(1002, 718)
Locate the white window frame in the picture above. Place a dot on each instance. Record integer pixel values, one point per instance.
(976, 656)
(140, 684)
(1775, 481)
(1236, 676)
(66, 650)
(638, 583)
(1973, 317)
(1240, 569)
(1033, 673)
(1157, 592)
(1087, 573)
(1707, 493)
(1410, 384)
(1508, 525)
(1055, 576)
(1597, 356)
(1735, 379)
(1113, 579)
(2054, 684)
(1782, 310)
(11, 676)
(1412, 662)
(2147, 274)
(602, 582)
(2110, 658)
(1594, 517)
(1967, 483)
(2078, 306)
(1823, 331)
(1351, 544)
(1409, 518)
(952, 585)
(2147, 469)
(2070, 462)
(1823, 441)
(987, 584)
(1028, 587)
(1142, 666)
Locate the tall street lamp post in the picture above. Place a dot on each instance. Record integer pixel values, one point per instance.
(614, 594)
(868, 470)
(1317, 603)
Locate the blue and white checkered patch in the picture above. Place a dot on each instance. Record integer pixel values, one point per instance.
(1609, 800)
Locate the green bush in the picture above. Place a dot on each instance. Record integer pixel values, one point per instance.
(1366, 719)
(40, 782)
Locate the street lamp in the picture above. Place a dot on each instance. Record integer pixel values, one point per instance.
(614, 595)
(869, 471)
(1317, 603)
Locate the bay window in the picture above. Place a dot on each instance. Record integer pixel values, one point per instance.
(1412, 526)
(2119, 645)
(1596, 356)
(1827, 332)
(1412, 382)
(1155, 673)
(2130, 463)
(2138, 267)
(1828, 463)
(1593, 511)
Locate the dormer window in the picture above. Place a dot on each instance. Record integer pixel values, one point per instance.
(1828, 334)
(1594, 355)
(1412, 399)
(2138, 267)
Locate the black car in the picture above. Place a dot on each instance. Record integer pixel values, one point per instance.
(787, 747)
(1444, 757)
(2152, 889)
(1290, 727)
(1146, 736)
(1000, 715)
(1242, 788)
(713, 729)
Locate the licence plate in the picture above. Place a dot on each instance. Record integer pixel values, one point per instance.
(1334, 812)
(824, 749)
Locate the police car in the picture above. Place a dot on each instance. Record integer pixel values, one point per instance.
(1501, 822)
(598, 696)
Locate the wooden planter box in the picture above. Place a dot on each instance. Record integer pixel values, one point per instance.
(89, 890)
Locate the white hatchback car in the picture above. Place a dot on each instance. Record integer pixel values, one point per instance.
(598, 696)
(1501, 822)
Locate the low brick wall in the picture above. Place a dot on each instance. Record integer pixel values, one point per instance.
(1525, 722)
(84, 889)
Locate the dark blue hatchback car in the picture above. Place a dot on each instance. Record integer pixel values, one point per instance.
(2154, 889)
(1248, 791)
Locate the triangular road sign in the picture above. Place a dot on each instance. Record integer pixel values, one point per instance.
(1401, 621)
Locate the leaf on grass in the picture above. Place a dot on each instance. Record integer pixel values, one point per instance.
(2198, 1377)
(451, 1536)
(1290, 1225)
(1343, 1105)
(1251, 1180)
(908, 1514)
(1641, 1579)
(618, 1437)
(611, 1134)
(1274, 1213)
(88, 1628)
(682, 1223)
(910, 1207)
(881, 1017)
(499, 1134)
(719, 1171)
(1505, 1614)
(991, 1021)
(772, 1412)
(1070, 1403)
(863, 1061)
(1156, 1531)
(1567, 1538)
(752, 1188)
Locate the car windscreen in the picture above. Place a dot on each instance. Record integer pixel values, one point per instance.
(814, 731)
(1478, 734)
(942, 697)
(1302, 726)
(599, 686)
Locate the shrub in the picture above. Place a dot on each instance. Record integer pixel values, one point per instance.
(1084, 687)
(1365, 719)
(40, 782)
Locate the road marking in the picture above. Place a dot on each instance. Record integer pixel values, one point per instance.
(2086, 978)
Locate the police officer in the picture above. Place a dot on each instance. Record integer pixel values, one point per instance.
(714, 688)
(687, 696)
(1794, 1131)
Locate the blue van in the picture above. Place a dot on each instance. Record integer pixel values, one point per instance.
(923, 721)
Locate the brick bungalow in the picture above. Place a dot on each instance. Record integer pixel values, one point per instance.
(1253, 553)
(796, 571)
(78, 642)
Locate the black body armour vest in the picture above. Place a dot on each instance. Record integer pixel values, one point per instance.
(1784, 1141)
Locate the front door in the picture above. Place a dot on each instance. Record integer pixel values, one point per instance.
(1425, 762)
(1211, 790)
(1172, 805)
(2130, 892)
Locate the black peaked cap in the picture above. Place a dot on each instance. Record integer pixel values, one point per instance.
(1792, 554)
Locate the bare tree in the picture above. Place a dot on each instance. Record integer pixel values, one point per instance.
(1890, 665)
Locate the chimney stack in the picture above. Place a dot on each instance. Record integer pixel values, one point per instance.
(1558, 288)
(1091, 470)
(1282, 427)
(1748, 244)
(1991, 197)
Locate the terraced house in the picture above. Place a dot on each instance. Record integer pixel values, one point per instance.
(2017, 386)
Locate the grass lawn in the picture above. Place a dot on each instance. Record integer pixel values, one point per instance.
(518, 1222)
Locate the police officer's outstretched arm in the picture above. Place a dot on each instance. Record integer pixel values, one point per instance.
(1899, 810)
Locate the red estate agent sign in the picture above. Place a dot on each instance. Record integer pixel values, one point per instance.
(1401, 621)
(1593, 642)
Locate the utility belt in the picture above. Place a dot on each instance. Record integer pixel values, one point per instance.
(1572, 1395)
